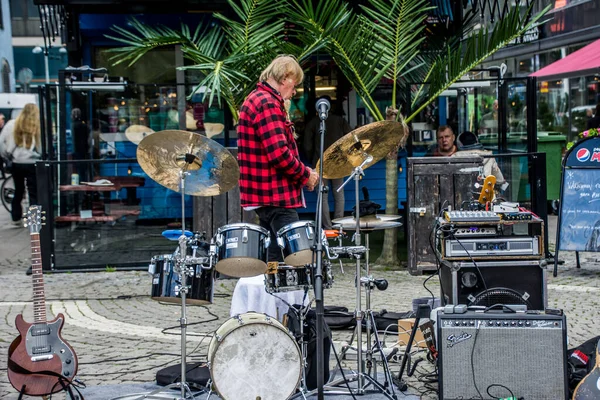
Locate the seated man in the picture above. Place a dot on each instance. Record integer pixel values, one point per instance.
(468, 143)
(445, 143)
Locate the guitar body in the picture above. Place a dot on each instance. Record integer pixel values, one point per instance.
(589, 387)
(52, 356)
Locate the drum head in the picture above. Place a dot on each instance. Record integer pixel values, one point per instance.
(256, 360)
(241, 267)
(302, 257)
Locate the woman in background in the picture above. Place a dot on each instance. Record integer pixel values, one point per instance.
(21, 142)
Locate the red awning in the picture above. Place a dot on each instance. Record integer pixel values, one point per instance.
(585, 61)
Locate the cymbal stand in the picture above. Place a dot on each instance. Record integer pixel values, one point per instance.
(184, 271)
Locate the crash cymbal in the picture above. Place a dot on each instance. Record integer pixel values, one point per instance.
(376, 139)
(135, 133)
(212, 169)
(213, 128)
(369, 222)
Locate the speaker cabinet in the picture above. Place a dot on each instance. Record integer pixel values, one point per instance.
(499, 355)
(486, 283)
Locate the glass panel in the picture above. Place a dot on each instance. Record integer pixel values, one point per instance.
(113, 222)
(156, 66)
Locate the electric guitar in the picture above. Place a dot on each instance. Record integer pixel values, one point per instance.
(40, 362)
(589, 387)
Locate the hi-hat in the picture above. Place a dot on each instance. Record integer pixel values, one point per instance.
(377, 139)
(135, 133)
(369, 222)
(211, 168)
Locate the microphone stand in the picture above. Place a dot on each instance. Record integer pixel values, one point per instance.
(318, 280)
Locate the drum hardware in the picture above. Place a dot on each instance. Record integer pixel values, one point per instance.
(170, 158)
(370, 223)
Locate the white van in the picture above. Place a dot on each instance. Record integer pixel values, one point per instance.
(11, 104)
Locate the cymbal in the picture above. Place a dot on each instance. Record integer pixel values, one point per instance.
(135, 133)
(376, 139)
(369, 222)
(213, 128)
(213, 169)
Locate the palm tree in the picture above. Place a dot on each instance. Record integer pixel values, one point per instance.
(382, 41)
(385, 41)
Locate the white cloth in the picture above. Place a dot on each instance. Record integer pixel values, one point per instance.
(250, 295)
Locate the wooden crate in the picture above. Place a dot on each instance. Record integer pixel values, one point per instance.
(434, 182)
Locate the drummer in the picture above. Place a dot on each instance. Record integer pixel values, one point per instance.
(271, 173)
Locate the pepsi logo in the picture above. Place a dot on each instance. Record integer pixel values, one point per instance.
(583, 155)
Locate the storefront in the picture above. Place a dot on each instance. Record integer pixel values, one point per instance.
(563, 104)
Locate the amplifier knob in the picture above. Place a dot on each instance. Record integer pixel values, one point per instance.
(527, 323)
(505, 323)
(472, 323)
(490, 323)
(513, 323)
(498, 323)
(520, 323)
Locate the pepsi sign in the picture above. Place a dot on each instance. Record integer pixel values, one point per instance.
(585, 153)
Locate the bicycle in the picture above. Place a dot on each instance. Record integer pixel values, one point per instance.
(7, 191)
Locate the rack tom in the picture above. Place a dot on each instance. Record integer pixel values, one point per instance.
(296, 241)
(242, 250)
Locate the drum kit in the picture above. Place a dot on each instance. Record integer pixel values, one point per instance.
(192, 164)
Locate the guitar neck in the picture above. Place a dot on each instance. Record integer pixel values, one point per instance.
(39, 295)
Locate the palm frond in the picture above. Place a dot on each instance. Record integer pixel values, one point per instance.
(399, 25)
(346, 37)
(146, 39)
(457, 61)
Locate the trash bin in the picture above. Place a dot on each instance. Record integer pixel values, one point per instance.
(553, 144)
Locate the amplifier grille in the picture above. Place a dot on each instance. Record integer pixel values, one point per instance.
(528, 361)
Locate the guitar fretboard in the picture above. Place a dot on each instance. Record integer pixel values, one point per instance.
(39, 295)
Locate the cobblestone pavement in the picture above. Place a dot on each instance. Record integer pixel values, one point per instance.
(122, 336)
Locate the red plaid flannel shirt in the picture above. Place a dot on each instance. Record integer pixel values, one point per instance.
(271, 173)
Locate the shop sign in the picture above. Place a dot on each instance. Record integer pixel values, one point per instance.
(531, 35)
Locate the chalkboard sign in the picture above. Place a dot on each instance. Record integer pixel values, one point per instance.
(579, 217)
(580, 210)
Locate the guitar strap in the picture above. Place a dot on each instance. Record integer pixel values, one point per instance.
(13, 366)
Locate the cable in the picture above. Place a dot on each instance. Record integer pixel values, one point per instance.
(512, 396)
(472, 359)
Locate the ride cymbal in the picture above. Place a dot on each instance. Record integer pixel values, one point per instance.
(135, 133)
(376, 139)
(212, 169)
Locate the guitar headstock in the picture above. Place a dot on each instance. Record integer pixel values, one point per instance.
(487, 189)
(34, 218)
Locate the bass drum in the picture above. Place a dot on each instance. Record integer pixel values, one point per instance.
(252, 356)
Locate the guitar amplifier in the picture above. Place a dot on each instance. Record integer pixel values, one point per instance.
(498, 355)
(486, 283)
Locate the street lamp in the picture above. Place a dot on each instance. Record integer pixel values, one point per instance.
(38, 50)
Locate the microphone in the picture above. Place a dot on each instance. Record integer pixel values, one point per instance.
(322, 107)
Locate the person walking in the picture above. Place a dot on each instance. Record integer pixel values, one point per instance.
(21, 142)
(271, 173)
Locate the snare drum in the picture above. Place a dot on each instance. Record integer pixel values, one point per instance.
(166, 282)
(242, 250)
(296, 241)
(287, 278)
(252, 356)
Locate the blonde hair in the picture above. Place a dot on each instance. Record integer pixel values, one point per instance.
(282, 67)
(27, 127)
